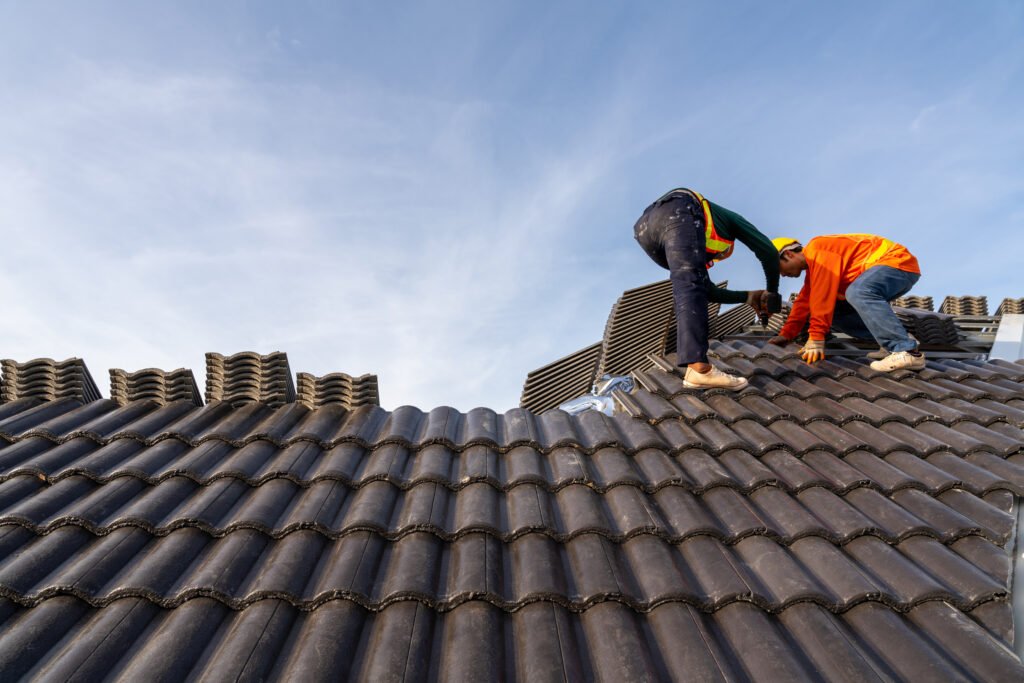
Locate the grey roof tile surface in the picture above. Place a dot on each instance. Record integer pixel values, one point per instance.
(826, 522)
(135, 639)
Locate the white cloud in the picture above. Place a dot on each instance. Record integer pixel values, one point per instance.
(165, 215)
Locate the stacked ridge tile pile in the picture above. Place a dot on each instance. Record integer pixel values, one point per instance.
(921, 303)
(827, 522)
(1011, 307)
(930, 329)
(47, 379)
(965, 305)
(153, 384)
(337, 388)
(249, 377)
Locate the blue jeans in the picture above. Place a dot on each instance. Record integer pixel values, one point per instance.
(867, 314)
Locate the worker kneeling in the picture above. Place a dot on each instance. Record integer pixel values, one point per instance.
(850, 282)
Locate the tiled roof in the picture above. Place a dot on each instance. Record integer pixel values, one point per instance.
(826, 522)
(640, 323)
(932, 329)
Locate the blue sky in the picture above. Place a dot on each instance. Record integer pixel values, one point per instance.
(443, 193)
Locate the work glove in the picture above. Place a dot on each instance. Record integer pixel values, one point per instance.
(779, 340)
(813, 350)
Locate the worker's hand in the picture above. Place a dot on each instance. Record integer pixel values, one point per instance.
(758, 300)
(779, 340)
(813, 350)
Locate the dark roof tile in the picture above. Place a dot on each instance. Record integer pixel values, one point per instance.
(826, 496)
(931, 477)
(791, 436)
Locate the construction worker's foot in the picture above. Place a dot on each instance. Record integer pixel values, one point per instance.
(713, 379)
(901, 360)
(879, 354)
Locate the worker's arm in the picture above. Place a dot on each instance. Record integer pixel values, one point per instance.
(734, 226)
(718, 295)
(798, 313)
(823, 284)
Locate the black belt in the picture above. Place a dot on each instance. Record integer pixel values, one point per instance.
(678, 193)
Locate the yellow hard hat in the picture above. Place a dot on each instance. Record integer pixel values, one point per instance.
(782, 242)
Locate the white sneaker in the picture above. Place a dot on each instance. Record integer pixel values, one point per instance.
(899, 361)
(879, 354)
(713, 379)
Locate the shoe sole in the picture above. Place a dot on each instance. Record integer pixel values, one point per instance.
(913, 366)
(691, 385)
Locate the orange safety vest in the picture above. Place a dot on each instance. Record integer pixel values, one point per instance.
(717, 247)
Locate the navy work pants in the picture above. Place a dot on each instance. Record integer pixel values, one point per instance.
(671, 231)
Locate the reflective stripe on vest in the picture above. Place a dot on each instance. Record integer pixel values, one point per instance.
(880, 251)
(718, 249)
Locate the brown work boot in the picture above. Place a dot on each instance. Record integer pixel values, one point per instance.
(713, 379)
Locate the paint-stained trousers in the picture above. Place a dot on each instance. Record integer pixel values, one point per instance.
(671, 231)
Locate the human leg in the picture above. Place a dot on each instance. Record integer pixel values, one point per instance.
(846, 319)
(685, 254)
(870, 294)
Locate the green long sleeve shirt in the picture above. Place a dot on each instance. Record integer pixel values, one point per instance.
(732, 226)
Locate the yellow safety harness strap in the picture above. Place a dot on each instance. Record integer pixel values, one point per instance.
(711, 241)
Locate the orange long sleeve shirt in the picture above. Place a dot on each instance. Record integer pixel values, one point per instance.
(833, 263)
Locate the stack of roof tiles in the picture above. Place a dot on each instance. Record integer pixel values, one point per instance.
(249, 377)
(546, 387)
(638, 325)
(930, 329)
(921, 303)
(46, 379)
(641, 322)
(1011, 307)
(153, 384)
(730, 322)
(827, 522)
(337, 388)
(965, 305)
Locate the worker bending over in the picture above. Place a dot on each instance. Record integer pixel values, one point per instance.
(687, 234)
(850, 281)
